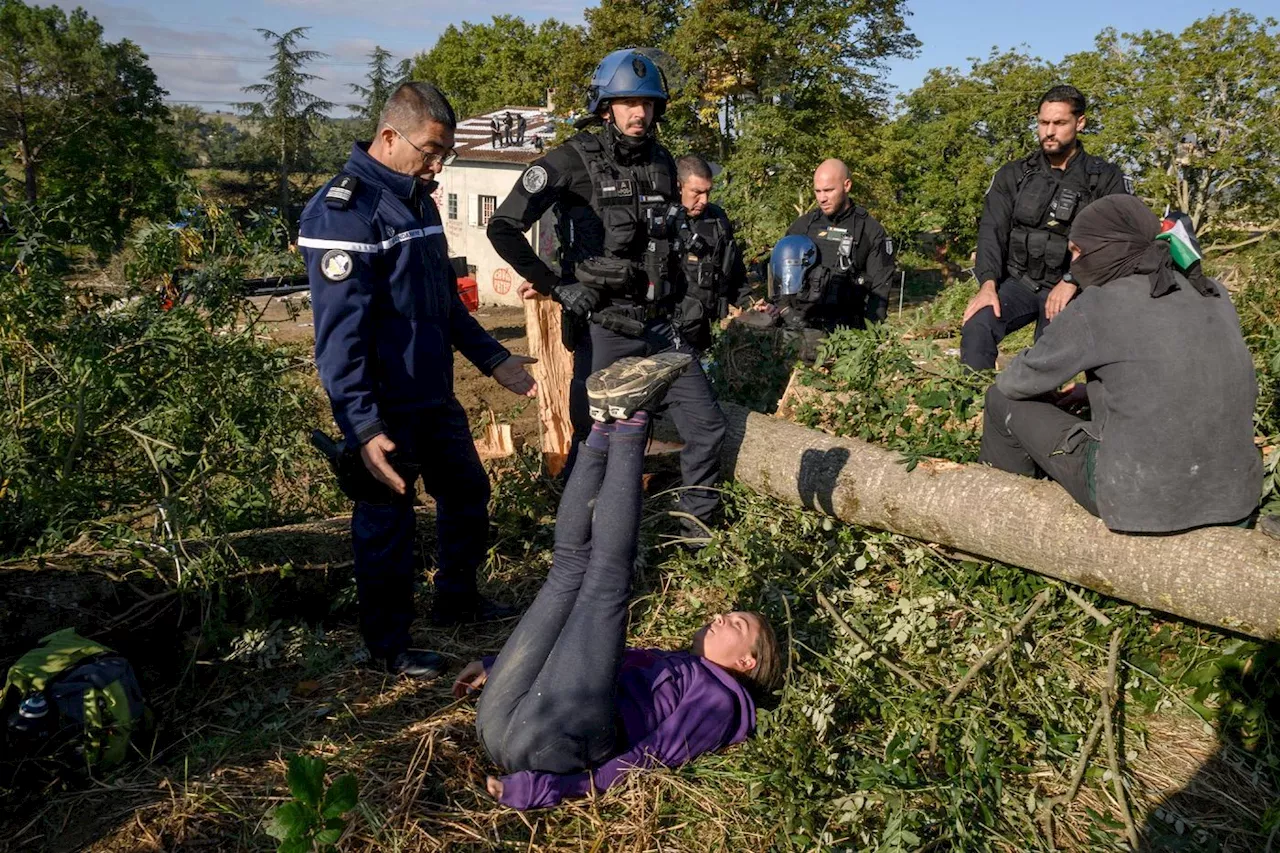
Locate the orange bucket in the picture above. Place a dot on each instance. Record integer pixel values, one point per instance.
(469, 292)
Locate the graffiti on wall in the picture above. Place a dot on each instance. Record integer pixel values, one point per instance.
(502, 281)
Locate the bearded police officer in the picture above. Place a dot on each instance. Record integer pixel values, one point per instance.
(617, 215)
(714, 274)
(850, 283)
(1022, 240)
(387, 318)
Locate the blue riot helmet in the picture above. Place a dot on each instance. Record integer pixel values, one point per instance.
(793, 257)
(627, 73)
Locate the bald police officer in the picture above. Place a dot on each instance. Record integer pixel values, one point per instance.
(855, 267)
(387, 318)
(617, 217)
(1023, 262)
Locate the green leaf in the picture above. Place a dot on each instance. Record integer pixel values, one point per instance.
(327, 837)
(306, 779)
(296, 845)
(290, 820)
(341, 796)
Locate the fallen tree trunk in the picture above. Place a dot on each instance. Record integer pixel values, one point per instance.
(1225, 577)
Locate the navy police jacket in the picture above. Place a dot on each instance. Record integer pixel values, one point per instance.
(384, 297)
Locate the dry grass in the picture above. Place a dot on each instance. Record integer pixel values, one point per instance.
(229, 725)
(1184, 782)
(421, 774)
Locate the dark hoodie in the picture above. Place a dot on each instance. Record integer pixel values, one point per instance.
(1171, 383)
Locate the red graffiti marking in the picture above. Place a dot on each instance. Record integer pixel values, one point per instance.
(502, 281)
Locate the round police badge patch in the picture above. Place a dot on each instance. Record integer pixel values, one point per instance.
(335, 265)
(534, 180)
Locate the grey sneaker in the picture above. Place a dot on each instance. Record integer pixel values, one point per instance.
(633, 384)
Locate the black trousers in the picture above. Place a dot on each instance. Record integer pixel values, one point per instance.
(1019, 306)
(439, 440)
(550, 701)
(1035, 438)
(693, 407)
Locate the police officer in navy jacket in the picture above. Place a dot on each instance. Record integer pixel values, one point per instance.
(387, 319)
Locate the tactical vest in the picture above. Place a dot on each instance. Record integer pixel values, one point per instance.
(613, 226)
(705, 249)
(838, 257)
(1045, 204)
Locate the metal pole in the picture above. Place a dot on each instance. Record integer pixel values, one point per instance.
(902, 291)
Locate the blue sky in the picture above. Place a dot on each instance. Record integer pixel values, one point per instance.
(202, 52)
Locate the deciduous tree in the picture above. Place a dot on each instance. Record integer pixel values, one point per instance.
(1196, 118)
(507, 62)
(82, 117)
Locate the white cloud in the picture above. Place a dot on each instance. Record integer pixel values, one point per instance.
(196, 60)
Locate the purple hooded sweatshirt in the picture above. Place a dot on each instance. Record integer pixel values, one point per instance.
(674, 706)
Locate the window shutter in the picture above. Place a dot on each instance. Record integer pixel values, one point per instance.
(473, 210)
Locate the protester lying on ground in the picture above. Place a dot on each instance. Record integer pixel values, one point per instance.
(566, 708)
(1171, 388)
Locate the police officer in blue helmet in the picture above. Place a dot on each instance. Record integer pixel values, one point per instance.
(855, 265)
(612, 190)
(792, 258)
(792, 262)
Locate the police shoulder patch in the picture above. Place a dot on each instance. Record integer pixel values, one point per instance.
(888, 245)
(341, 191)
(1128, 184)
(335, 265)
(534, 180)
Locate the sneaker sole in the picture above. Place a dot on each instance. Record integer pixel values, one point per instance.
(633, 383)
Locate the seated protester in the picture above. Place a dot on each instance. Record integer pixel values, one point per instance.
(566, 708)
(1171, 387)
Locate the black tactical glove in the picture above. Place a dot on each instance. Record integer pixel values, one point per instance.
(576, 298)
(611, 273)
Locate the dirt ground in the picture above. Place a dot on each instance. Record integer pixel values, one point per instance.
(289, 320)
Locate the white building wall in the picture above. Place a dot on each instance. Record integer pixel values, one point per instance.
(470, 180)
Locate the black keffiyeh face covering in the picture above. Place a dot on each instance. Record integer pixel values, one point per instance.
(1117, 238)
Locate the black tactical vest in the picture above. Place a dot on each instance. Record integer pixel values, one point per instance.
(837, 256)
(613, 226)
(1046, 203)
(705, 251)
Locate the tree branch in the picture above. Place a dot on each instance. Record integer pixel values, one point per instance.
(1110, 699)
(849, 629)
(997, 649)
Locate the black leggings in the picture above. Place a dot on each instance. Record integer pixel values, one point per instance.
(549, 703)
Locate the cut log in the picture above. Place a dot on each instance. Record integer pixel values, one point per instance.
(1221, 576)
(554, 371)
(496, 443)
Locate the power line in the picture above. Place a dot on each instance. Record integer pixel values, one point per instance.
(220, 57)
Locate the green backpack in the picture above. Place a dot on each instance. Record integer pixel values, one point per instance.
(91, 690)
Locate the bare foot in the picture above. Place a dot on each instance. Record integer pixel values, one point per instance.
(494, 786)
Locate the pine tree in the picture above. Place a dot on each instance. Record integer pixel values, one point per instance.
(382, 82)
(286, 112)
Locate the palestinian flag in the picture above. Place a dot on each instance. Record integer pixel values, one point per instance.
(1183, 245)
